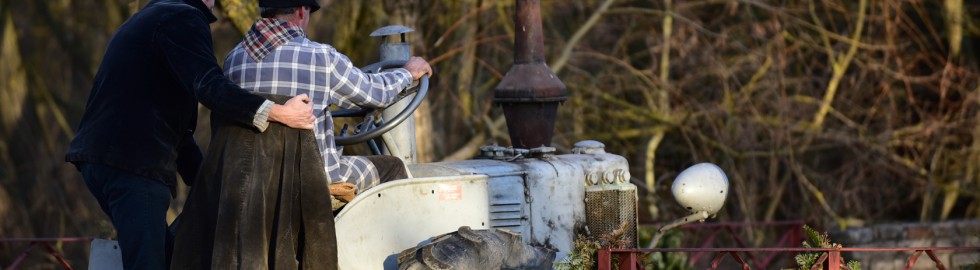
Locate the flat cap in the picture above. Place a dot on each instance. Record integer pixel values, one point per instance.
(314, 6)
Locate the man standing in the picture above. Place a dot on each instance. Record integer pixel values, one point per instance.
(276, 54)
(136, 133)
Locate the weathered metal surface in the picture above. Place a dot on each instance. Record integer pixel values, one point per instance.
(530, 92)
(389, 218)
(542, 199)
(477, 249)
(391, 30)
(508, 208)
(400, 141)
(502, 153)
(532, 82)
(530, 124)
(610, 199)
(589, 147)
(611, 210)
(492, 168)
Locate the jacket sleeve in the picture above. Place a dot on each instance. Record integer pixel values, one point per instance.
(184, 39)
(189, 159)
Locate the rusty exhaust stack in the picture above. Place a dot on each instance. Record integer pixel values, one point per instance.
(530, 92)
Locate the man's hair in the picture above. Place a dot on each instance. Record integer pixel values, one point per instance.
(270, 12)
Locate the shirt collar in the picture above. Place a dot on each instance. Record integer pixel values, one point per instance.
(267, 34)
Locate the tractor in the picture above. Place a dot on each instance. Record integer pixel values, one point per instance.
(526, 192)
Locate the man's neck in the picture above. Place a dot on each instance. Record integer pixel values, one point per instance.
(293, 21)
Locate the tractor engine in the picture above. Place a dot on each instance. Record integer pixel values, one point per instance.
(549, 200)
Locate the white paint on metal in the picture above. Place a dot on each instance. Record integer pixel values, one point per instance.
(543, 199)
(508, 207)
(556, 189)
(477, 166)
(589, 147)
(702, 187)
(401, 139)
(389, 218)
(391, 30)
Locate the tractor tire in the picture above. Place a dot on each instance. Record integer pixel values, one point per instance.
(476, 249)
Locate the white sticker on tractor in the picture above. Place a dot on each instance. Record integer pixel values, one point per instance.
(450, 192)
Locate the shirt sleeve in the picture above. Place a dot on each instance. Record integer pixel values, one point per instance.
(261, 120)
(185, 42)
(352, 88)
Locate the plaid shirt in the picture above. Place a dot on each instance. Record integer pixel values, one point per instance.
(277, 58)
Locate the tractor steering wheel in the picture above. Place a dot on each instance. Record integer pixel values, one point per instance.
(364, 135)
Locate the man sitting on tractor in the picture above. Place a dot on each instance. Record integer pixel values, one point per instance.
(276, 55)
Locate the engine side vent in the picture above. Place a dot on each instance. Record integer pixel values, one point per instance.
(507, 207)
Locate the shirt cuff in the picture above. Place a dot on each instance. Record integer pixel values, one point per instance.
(261, 120)
(408, 77)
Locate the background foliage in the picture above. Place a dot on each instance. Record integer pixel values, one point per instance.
(837, 112)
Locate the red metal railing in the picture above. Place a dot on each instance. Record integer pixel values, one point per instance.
(44, 242)
(831, 257)
(711, 234)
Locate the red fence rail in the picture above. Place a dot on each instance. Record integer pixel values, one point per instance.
(790, 234)
(46, 244)
(831, 257)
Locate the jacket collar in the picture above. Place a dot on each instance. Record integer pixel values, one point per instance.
(203, 8)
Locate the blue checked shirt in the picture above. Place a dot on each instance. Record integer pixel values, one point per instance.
(301, 66)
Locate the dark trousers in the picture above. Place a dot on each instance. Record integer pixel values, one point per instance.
(389, 168)
(137, 207)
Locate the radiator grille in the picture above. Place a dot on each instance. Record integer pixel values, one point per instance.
(609, 208)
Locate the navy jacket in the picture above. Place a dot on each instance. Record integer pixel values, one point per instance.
(142, 110)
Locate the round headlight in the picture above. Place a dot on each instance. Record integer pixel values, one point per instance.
(702, 187)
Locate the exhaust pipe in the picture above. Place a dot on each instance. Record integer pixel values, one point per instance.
(530, 92)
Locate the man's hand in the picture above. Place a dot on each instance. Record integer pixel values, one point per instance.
(296, 113)
(418, 67)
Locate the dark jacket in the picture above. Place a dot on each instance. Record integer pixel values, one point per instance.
(142, 109)
(261, 202)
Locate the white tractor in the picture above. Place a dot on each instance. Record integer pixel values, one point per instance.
(528, 190)
(546, 199)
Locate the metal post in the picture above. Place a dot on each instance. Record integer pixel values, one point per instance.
(400, 141)
(699, 216)
(835, 258)
(605, 259)
(22, 256)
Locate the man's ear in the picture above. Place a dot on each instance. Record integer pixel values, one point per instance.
(302, 12)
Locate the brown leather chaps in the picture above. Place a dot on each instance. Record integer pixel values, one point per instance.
(260, 202)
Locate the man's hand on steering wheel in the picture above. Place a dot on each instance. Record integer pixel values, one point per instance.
(418, 67)
(420, 71)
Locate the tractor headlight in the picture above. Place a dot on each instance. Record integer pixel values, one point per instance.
(702, 187)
